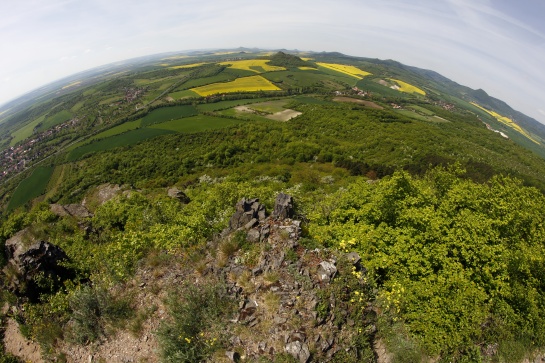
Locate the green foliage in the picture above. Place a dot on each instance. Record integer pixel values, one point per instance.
(196, 325)
(31, 187)
(91, 310)
(449, 255)
(282, 59)
(8, 358)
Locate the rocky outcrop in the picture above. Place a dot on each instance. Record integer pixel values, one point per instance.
(179, 195)
(249, 212)
(101, 195)
(288, 302)
(73, 210)
(29, 262)
(283, 207)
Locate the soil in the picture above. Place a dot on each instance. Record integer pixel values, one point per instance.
(19, 346)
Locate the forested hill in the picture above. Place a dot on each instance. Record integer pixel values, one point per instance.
(481, 97)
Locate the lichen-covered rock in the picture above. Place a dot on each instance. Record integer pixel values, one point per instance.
(283, 207)
(179, 195)
(326, 271)
(101, 195)
(72, 210)
(32, 263)
(246, 211)
(298, 350)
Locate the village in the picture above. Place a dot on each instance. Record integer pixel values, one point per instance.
(16, 158)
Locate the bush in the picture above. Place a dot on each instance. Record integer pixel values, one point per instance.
(197, 322)
(92, 310)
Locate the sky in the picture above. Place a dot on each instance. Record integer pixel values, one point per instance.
(496, 45)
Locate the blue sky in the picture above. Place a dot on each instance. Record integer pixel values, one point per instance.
(496, 45)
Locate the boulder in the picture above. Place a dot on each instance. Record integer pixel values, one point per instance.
(31, 262)
(73, 210)
(353, 257)
(179, 195)
(298, 350)
(283, 206)
(326, 271)
(246, 211)
(101, 195)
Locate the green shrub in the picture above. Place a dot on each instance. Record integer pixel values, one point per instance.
(92, 310)
(196, 327)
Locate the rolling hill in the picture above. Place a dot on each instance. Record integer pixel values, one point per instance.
(271, 206)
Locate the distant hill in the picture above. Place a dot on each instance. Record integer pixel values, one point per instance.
(282, 59)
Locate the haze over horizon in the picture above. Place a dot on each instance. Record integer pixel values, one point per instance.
(498, 46)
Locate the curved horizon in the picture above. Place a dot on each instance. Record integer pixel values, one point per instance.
(498, 47)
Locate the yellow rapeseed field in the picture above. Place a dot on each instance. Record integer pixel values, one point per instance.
(187, 66)
(349, 70)
(506, 121)
(408, 88)
(244, 84)
(246, 64)
(307, 68)
(72, 85)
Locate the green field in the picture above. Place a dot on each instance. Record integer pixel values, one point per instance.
(422, 110)
(417, 116)
(77, 106)
(367, 84)
(168, 113)
(25, 131)
(54, 120)
(312, 100)
(345, 78)
(127, 126)
(110, 100)
(222, 77)
(183, 94)
(247, 116)
(196, 124)
(125, 139)
(31, 187)
(269, 106)
(298, 79)
(223, 105)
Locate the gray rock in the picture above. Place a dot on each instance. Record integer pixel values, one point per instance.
(233, 356)
(353, 257)
(247, 311)
(283, 207)
(326, 271)
(265, 232)
(251, 224)
(40, 259)
(253, 235)
(298, 350)
(246, 211)
(103, 193)
(178, 194)
(72, 210)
